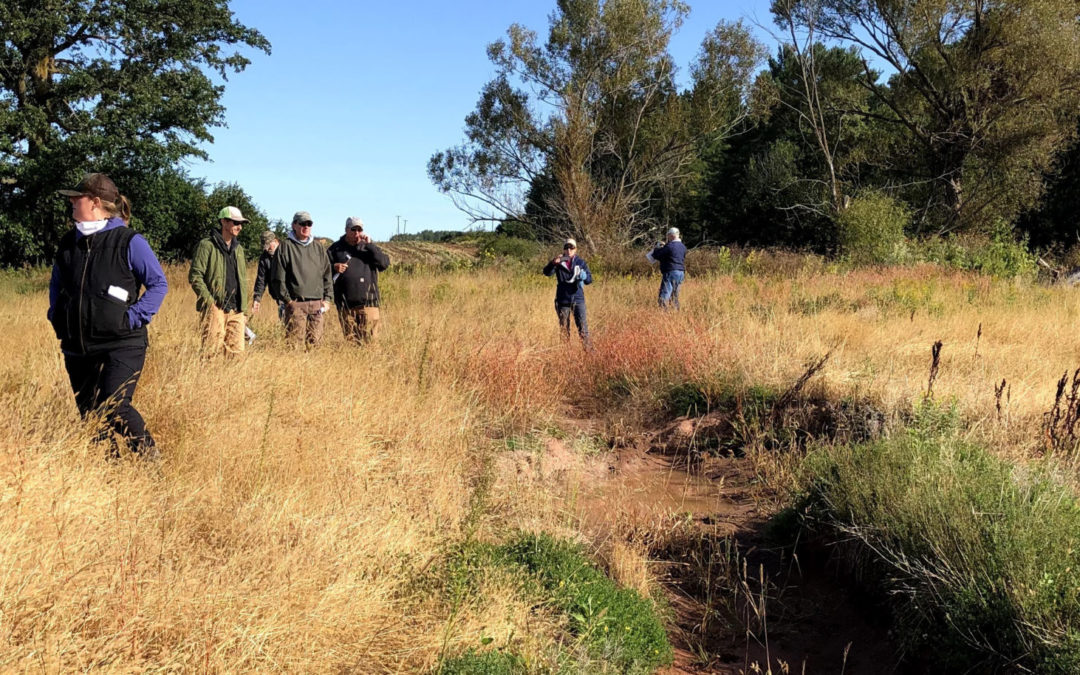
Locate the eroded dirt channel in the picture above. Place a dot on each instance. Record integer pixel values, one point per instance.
(737, 595)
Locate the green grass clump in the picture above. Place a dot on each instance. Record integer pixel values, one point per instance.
(474, 662)
(615, 624)
(978, 555)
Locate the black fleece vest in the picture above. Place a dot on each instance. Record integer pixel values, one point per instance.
(87, 317)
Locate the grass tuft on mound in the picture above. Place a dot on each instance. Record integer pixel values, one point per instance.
(612, 625)
(978, 555)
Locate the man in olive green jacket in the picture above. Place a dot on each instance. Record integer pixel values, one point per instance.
(301, 279)
(218, 277)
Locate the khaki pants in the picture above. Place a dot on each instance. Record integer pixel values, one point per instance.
(223, 332)
(304, 321)
(359, 324)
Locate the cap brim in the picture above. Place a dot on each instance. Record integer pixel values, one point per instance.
(240, 220)
(70, 193)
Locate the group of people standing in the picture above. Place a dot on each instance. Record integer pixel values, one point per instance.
(572, 275)
(107, 284)
(302, 277)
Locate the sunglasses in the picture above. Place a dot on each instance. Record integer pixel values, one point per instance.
(356, 229)
(569, 248)
(305, 224)
(234, 223)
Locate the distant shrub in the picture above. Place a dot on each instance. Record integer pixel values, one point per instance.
(495, 246)
(871, 229)
(998, 254)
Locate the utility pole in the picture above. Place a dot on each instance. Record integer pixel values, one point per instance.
(398, 224)
(405, 226)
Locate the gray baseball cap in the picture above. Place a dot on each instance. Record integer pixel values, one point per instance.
(353, 221)
(267, 237)
(302, 217)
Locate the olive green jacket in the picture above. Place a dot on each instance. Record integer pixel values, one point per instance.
(207, 275)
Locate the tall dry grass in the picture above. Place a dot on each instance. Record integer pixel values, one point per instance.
(306, 498)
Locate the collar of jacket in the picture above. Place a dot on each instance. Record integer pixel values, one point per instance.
(219, 241)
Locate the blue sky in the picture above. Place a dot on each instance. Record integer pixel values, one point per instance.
(343, 116)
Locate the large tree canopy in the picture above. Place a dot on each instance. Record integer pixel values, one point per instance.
(122, 86)
(587, 133)
(981, 94)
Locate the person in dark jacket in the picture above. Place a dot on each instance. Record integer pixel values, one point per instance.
(572, 275)
(672, 259)
(356, 263)
(263, 270)
(218, 275)
(106, 285)
(301, 279)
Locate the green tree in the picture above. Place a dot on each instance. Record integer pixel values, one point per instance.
(982, 94)
(121, 87)
(593, 122)
(784, 180)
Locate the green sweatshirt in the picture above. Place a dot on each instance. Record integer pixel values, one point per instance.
(302, 272)
(207, 274)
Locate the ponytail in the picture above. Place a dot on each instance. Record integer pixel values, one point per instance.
(120, 209)
(125, 209)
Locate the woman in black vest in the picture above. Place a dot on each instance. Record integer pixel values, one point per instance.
(106, 285)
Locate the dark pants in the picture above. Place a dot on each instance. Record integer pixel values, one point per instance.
(104, 384)
(578, 310)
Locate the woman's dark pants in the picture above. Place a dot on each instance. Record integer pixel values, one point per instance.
(104, 384)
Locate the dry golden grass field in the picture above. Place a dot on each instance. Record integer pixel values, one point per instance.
(307, 500)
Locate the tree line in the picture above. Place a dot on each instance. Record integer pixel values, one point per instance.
(871, 123)
(126, 88)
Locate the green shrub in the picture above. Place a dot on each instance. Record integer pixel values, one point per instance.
(475, 662)
(494, 246)
(979, 555)
(871, 229)
(998, 254)
(686, 398)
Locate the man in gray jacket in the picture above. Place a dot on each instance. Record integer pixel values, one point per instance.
(301, 279)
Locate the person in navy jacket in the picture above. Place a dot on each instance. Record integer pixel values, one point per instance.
(106, 285)
(672, 259)
(572, 275)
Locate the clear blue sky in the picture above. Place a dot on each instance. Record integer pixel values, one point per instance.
(343, 116)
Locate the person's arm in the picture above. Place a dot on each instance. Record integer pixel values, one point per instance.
(278, 289)
(147, 270)
(54, 289)
(661, 253)
(260, 278)
(549, 269)
(376, 257)
(197, 275)
(327, 283)
(586, 276)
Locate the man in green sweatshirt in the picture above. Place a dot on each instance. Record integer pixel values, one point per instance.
(218, 276)
(302, 280)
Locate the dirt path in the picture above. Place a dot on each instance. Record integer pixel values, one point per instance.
(736, 598)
